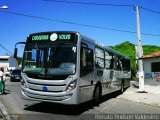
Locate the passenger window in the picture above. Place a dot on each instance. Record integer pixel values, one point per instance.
(125, 64)
(115, 59)
(108, 60)
(119, 64)
(86, 61)
(99, 58)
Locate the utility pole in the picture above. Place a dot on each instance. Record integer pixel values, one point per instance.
(140, 53)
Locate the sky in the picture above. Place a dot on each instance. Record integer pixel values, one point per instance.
(109, 24)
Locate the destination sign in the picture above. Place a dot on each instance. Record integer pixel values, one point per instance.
(65, 36)
(53, 37)
(40, 37)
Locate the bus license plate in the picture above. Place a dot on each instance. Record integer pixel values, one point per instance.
(45, 88)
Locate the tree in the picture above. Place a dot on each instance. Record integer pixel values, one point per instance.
(19, 60)
(128, 49)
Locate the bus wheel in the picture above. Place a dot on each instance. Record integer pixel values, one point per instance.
(97, 94)
(122, 87)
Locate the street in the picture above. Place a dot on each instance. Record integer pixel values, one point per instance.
(35, 110)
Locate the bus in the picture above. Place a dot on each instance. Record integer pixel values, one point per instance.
(69, 68)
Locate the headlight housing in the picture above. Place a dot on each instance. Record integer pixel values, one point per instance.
(71, 85)
(23, 83)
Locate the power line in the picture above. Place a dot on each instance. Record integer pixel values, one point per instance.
(6, 49)
(106, 4)
(90, 3)
(9, 23)
(67, 22)
(79, 24)
(150, 10)
(101, 4)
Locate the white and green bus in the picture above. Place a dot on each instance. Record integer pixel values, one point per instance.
(68, 68)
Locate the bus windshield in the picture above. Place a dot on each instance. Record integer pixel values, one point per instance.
(57, 59)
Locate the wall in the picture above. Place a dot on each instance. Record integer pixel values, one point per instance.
(4, 63)
(10, 62)
(151, 78)
(147, 64)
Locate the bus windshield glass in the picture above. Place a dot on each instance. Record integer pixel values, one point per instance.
(55, 59)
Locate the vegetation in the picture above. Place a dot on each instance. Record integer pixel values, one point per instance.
(128, 49)
(19, 60)
(1, 117)
(149, 49)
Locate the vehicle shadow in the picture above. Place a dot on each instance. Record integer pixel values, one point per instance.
(46, 107)
(6, 92)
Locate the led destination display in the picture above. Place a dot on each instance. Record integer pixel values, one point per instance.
(53, 37)
(40, 37)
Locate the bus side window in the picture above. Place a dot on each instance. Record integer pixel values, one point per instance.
(115, 62)
(119, 64)
(108, 60)
(86, 61)
(126, 64)
(112, 63)
(83, 57)
(99, 58)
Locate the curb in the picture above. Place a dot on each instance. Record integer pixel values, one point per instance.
(5, 115)
(148, 98)
(140, 103)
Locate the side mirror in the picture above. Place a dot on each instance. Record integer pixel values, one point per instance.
(15, 52)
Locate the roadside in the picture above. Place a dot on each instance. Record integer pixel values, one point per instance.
(1, 117)
(151, 96)
(3, 112)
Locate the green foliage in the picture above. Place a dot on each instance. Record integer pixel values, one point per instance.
(1, 117)
(149, 49)
(19, 60)
(128, 49)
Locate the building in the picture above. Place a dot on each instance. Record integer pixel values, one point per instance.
(151, 65)
(152, 62)
(8, 62)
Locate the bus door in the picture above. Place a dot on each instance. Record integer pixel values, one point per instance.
(117, 74)
(86, 71)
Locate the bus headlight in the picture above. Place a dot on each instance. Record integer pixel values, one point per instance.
(71, 85)
(23, 83)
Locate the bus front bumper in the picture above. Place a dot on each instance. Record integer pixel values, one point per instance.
(62, 97)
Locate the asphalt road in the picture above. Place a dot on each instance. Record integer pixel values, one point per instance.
(34, 110)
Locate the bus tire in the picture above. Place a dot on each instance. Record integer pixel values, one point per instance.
(97, 94)
(122, 87)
